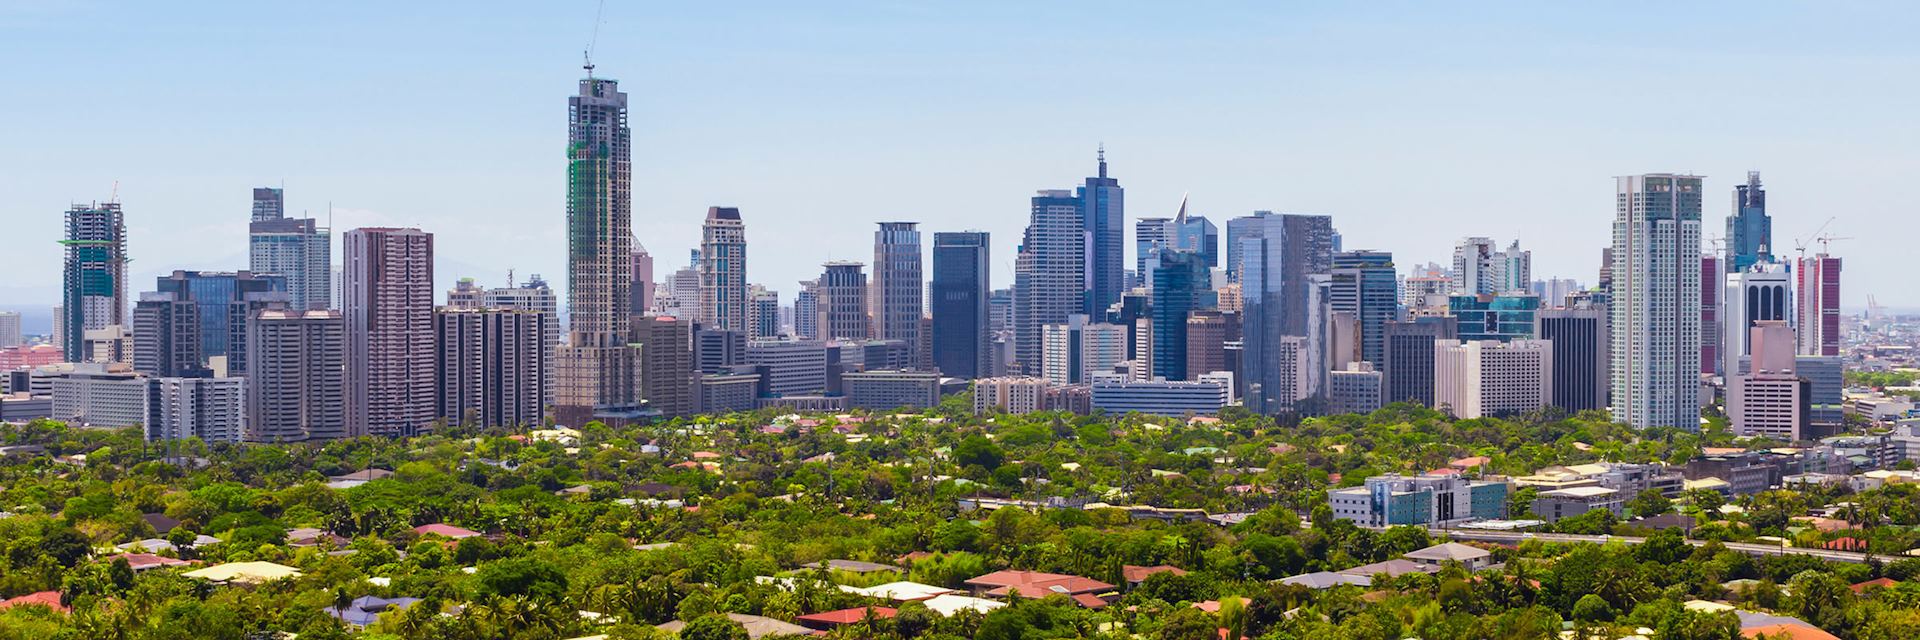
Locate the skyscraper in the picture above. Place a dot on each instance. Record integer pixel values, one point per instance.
(388, 305)
(269, 203)
(843, 301)
(1473, 266)
(492, 366)
(1103, 218)
(763, 312)
(723, 270)
(1655, 304)
(1409, 354)
(9, 329)
(596, 378)
(962, 327)
(1149, 236)
(1278, 256)
(1179, 279)
(642, 287)
(297, 388)
(1196, 234)
(895, 298)
(1711, 280)
(806, 310)
(1819, 309)
(1050, 276)
(225, 300)
(94, 294)
(166, 336)
(666, 355)
(1238, 229)
(1364, 284)
(297, 249)
(1579, 338)
(1749, 229)
(1763, 292)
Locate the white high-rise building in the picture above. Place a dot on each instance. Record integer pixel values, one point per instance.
(9, 329)
(211, 409)
(1050, 275)
(1472, 266)
(1073, 352)
(1764, 292)
(1481, 378)
(1655, 324)
(296, 248)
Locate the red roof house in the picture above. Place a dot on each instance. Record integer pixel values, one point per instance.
(48, 599)
(1034, 584)
(830, 619)
(445, 530)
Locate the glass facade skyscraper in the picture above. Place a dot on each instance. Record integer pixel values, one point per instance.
(1749, 229)
(962, 326)
(1364, 284)
(1103, 215)
(1179, 280)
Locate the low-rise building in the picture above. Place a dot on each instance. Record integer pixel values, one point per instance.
(1160, 397)
(1419, 500)
(891, 389)
(100, 395)
(1573, 501)
(1010, 394)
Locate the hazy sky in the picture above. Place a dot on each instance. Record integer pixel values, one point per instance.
(1412, 123)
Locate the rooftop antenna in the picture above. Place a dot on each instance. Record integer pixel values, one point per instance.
(1101, 154)
(594, 41)
(114, 198)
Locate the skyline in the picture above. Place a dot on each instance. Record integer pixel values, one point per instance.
(790, 126)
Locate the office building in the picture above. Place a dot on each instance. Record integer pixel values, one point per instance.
(1076, 350)
(211, 409)
(1579, 339)
(1554, 292)
(1495, 317)
(111, 343)
(93, 394)
(1103, 216)
(94, 289)
(1279, 254)
(1160, 397)
(225, 299)
(1764, 292)
(1238, 230)
(493, 366)
(297, 388)
(1000, 311)
(1770, 400)
(166, 336)
(894, 301)
(640, 289)
(1149, 237)
(1655, 301)
(295, 249)
(596, 377)
(466, 294)
(763, 312)
(1419, 501)
(724, 392)
(1489, 378)
(1355, 388)
(1180, 284)
(1749, 228)
(388, 307)
(723, 270)
(1050, 275)
(10, 329)
(666, 363)
(806, 311)
(717, 350)
(963, 324)
(1819, 308)
(1826, 401)
(1711, 283)
(1555, 505)
(843, 301)
(1194, 234)
(790, 367)
(1365, 285)
(891, 389)
(1208, 334)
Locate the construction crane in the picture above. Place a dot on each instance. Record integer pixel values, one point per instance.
(1800, 246)
(1824, 240)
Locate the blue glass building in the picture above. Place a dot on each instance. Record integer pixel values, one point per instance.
(1491, 317)
(1179, 280)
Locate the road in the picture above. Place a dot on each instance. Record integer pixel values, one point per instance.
(1743, 547)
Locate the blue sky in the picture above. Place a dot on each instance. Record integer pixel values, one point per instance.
(1412, 123)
